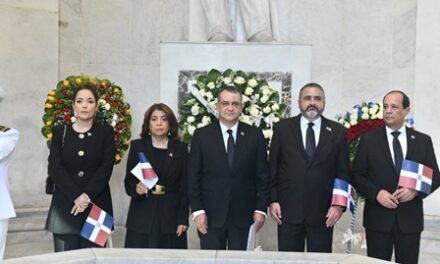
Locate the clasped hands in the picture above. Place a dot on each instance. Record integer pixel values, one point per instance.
(391, 201)
(80, 204)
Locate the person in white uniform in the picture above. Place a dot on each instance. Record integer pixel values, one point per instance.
(8, 140)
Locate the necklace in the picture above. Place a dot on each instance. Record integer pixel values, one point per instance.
(161, 145)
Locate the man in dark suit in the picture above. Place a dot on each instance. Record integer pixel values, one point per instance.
(307, 153)
(228, 177)
(393, 216)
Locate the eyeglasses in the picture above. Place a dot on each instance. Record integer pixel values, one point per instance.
(234, 104)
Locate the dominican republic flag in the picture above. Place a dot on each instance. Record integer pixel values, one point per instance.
(98, 226)
(415, 176)
(342, 194)
(144, 172)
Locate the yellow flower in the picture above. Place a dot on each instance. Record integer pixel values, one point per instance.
(78, 80)
(116, 91)
(49, 106)
(117, 157)
(66, 83)
(50, 98)
(48, 122)
(51, 93)
(49, 136)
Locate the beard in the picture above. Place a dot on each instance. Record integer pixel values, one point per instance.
(311, 112)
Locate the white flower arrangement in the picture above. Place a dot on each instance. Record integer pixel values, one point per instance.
(261, 103)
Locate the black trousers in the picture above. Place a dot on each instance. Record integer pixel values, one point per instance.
(227, 237)
(293, 237)
(134, 239)
(406, 245)
(71, 242)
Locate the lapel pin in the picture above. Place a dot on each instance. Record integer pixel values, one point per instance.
(171, 154)
(328, 128)
(242, 133)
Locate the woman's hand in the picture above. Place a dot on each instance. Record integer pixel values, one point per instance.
(141, 189)
(80, 204)
(181, 229)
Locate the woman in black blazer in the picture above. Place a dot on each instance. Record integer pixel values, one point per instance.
(158, 218)
(80, 164)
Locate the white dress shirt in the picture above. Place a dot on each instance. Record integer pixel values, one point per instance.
(401, 138)
(316, 129)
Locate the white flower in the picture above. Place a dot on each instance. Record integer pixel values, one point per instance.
(373, 116)
(248, 91)
(113, 124)
(347, 125)
(190, 119)
(253, 110)
(380, 114)
(102, 101)
(257, 96)
(252, 82)
(209, 96)
(195, 110)
(115, 117)
(246, 119)
(107, 106)
(264, 99)
(266, 110)
(210, 85)
(353, 122)
(239, 80)
(275, 107)
(276, 120)
(373, 110)
(206, 120)
(365, 116)
(364, 109)
(267, 133)
(265, 90)
(245, 99)
(73, 119)
(199, 125)
(227, 80)
(191, 129)
(270, 119)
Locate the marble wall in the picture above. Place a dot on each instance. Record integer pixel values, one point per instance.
(360, 50)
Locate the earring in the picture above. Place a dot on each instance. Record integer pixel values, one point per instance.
(149, 133)
(169, 133)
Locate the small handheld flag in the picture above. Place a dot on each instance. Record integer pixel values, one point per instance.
(98, 226)
(144, 172)
(342, 194)
(416, 176)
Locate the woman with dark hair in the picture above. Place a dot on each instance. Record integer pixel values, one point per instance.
(158, 217)
(80, 164)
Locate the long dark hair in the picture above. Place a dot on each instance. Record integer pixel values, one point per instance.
(172, 120)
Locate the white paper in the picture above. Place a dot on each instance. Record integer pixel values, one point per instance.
(137, 172)
(251, 238)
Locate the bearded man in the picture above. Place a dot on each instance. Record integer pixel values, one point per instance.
(307, 153)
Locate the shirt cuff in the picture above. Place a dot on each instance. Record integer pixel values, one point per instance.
(260, 212)
(197, 213)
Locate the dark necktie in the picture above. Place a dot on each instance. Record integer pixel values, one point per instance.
(310, 140)
(398, 153)
(231, 146)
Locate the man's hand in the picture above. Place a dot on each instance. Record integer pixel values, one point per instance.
(387, 200)
(405, 194)
(141, 189)
(259, 221)
(181, 229)
(202, 223)
(334, 213)
(275, 212)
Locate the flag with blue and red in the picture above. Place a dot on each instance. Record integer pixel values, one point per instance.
(342, 194)
(98, 226)
(145, 172)
(416, 176)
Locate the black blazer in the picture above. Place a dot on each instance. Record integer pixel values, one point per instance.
(217, 189)
(172, 208)
(373, 170)
(75, 172)
(304, 187)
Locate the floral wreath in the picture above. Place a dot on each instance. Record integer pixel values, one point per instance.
(112, 109)
(363, 118)
(261, 103)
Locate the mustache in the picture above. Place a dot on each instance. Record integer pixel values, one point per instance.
(311, 107)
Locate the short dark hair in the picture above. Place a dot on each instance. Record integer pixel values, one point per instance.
(231, 89)
(172, 121)
(405, 101)
(311, 85)
(86, 87)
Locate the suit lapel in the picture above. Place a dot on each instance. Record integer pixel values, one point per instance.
(169, 157)
(385, 146)
(239, 143)
(411, 144)
(324, 135)
(218, 141)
